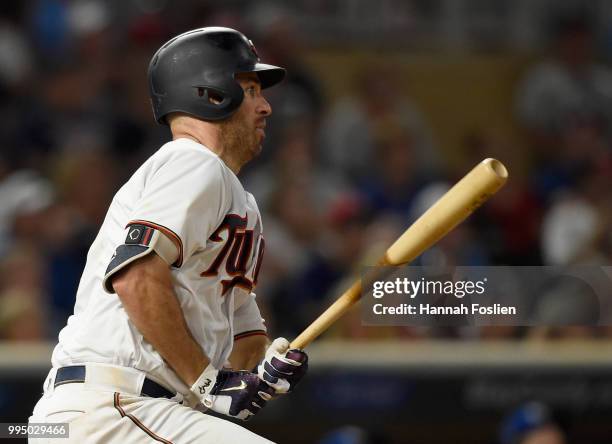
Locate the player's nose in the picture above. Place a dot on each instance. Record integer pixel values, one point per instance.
(263, 107)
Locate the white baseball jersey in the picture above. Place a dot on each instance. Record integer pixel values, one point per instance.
(186, 192)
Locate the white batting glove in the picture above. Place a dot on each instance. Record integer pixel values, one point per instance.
(282, 368)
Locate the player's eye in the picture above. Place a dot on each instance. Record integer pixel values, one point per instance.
(251, 91)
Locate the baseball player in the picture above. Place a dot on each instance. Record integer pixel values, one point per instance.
(165, 314)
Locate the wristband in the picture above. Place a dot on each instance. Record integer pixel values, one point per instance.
(206, 382)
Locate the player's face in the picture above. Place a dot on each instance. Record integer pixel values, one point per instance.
(245, 130)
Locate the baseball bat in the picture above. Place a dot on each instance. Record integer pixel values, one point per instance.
(452, 208)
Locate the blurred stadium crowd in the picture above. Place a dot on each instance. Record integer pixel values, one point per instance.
(338, 179)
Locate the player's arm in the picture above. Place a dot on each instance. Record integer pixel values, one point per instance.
(145, 289)
(139, 273)
(248, 351)
(278, 366)
(250, 335)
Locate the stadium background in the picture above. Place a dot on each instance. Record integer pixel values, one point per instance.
(386, 104)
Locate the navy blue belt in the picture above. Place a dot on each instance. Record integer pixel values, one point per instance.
(76, 373)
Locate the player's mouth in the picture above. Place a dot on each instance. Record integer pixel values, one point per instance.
(261, 129)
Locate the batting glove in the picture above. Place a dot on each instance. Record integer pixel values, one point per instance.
(282, 368)
(238, 394)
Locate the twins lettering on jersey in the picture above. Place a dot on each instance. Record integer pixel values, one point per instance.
(236, 253)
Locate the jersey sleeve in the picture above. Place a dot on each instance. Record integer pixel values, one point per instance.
(248, 320)
(183, 200)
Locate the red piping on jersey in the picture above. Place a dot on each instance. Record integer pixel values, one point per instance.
(168, 232)
(148, 236)
(136, 421)
(246, 334)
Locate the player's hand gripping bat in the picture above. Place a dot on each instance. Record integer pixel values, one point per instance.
(451, 209)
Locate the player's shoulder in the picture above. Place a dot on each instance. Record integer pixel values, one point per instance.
(186, 149)
(183, 156)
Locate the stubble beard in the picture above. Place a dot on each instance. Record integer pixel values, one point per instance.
(238, 139)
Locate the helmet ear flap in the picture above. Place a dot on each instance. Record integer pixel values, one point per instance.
(216, 100)
(213, 97)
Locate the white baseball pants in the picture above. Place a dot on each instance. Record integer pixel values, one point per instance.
(98, 412)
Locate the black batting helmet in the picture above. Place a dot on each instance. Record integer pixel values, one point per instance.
(200, 64)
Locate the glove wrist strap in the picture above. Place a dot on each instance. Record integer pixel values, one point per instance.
(206, 382)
